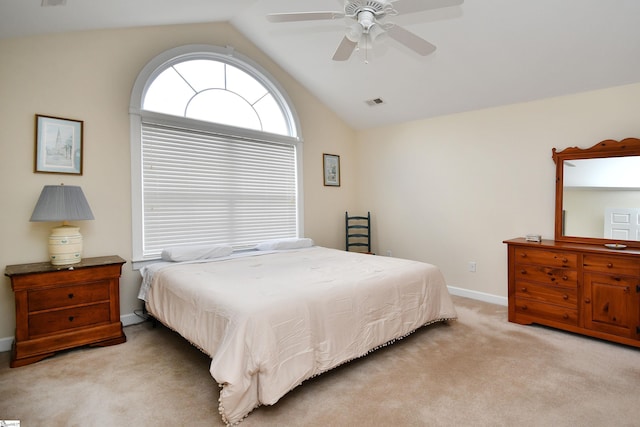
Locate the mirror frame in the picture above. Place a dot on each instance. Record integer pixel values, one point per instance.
(603, 149)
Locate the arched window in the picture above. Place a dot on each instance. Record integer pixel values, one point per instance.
(215, 153)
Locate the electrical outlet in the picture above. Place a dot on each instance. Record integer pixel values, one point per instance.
(472, 266)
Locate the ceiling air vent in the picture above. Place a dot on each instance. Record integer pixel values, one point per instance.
(374, 102)
(54, 2)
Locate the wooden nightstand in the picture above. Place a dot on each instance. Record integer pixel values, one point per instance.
(61, 307)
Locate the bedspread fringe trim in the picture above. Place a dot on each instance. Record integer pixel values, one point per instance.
(222, 411)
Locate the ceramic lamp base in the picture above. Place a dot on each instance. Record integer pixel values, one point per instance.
(65, 245)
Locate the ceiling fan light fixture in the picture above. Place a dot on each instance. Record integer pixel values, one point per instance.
(366, 18)
(354, 32)
(375, 31)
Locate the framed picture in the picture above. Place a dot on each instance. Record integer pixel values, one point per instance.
(331, 164)
(58, 145)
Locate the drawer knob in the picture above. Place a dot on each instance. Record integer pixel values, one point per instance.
(70, 296)
(565, 278)
(71, 318)
(523, 255)
(524, 289)
(587, 301)
(524, 307)
(523, 271)
(565, 316)
(610, 265)
(565, 260)
(565, 297)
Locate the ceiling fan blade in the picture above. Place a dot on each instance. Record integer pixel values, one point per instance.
(410, 40)
(411, 6)
(345, 49)
(303, 16)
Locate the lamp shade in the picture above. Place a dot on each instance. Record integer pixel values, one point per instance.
(61, 203)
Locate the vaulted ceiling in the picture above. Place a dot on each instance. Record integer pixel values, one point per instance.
(489, 52)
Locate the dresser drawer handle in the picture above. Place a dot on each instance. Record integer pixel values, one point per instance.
(565, 278)
(524, 307)
(587, 301)
(565, 297)
(610, 265)
(565, 316)
(523, 271)
(70, 296)
(564, 260)
(523, 289)
(523, 255)
(71, 318)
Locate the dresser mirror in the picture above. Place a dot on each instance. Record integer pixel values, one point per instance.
(598, 193)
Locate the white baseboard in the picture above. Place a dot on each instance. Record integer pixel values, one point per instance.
(5, 344)
(480, 296)
(127, 319)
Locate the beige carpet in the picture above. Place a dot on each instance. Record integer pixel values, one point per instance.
(478, 371)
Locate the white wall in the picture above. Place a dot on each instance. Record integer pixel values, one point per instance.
(449, 190)
(89, 76)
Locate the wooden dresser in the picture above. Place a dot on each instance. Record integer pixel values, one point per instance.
(583, 288)
(60, 307)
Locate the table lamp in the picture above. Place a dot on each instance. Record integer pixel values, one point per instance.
(63, 203)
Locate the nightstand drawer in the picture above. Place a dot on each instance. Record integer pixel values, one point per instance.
(70, 318)
(67, 296)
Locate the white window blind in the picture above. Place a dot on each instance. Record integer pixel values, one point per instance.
(203, 187)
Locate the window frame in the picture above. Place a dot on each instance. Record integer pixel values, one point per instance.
(137, 115)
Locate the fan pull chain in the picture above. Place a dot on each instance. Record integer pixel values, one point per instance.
(366, 49)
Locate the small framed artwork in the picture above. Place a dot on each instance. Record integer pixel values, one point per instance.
(331, 164)
(58, 145)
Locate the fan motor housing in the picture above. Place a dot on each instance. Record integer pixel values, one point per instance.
(378, 8)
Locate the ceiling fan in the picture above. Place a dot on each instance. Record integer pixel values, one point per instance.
(367, 26)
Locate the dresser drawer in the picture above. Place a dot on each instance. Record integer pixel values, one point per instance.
(70, 318)
(67, 296)
(542, 311)
(611, 265)
(548, 258)
(567, 297)
(548, 275)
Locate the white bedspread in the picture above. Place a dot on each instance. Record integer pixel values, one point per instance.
(271, 321)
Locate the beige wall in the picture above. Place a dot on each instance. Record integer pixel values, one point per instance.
(89, 76)
(446, 190)
(449, 190)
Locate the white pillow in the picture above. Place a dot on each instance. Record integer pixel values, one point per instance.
(290, 243)
(195, 252)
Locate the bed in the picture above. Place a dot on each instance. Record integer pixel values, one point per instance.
(273, 318)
